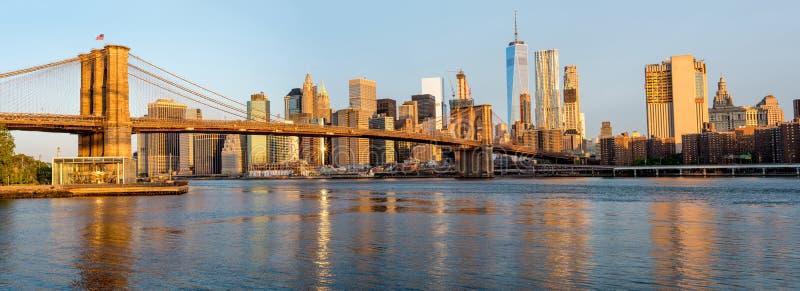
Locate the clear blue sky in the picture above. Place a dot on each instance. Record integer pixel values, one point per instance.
(241, 47)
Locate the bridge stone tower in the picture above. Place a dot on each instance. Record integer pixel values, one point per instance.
(475, 123)
(104, 93)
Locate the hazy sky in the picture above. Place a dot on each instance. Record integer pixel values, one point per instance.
(242, 47)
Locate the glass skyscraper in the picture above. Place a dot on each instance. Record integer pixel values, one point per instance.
(517, 76)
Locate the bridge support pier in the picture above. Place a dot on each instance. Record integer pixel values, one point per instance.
(104, 93)
(475, 163)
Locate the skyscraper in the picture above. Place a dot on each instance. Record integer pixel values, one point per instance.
(381, 151)
(426, 107)
(363, 99)
(308, 96)
(258, 145)
(362, 95)
(159, 153)
(548, 101)
(605, 130)
(676, 97)
(186, 141)
(769, 112)
(435, 86)
(388, 107)
(231, 156)
(322, 104)
(517, 77)
(293, 103)
(572, 101)
(796, 103)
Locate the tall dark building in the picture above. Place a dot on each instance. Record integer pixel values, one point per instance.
(388, 107)
(796, 103)
(426, 106)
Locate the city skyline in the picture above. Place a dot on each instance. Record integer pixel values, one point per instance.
(610, 71)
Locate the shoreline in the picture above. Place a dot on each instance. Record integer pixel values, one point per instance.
(57, 191)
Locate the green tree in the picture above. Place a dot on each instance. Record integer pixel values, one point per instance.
(6, 155)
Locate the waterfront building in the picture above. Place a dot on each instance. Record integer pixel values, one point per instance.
(426, 107)
(548, 102)
(435, 86)
(388, 107)
(709, 147)
(573, 118)
(362, 98)
(381, 151)
(159, 153)
(517, 79)
(769, 112)
(258, 110)
(676, 97)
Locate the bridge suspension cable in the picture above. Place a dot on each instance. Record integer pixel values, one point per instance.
(237, 106)
(37, 68)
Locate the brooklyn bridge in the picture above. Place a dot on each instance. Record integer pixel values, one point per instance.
(112, 84)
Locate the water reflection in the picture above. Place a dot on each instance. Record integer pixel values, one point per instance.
(683, 243)
(503, 234)
(104, 260)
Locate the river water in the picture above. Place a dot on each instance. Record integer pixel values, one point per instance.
(650, 233)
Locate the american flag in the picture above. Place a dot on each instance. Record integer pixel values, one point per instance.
(100, 37)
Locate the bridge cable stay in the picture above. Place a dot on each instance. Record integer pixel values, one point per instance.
(242, 105)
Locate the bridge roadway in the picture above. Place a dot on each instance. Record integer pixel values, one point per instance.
(75, 124)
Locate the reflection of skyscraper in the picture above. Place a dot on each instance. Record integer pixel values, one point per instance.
(435, 86)
(548, 101)
(682, 235)
(676, 97)
(517, 76)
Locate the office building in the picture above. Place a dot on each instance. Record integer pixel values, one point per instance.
(676, 97)
(796, 103)
(769, 112)
(258, 110)
(231, 156)
(307, 95)
(388, 107)
(381, 150)
(293, 102)
(186, 141)
(159, 153)
(548, 99)
(208, 153)
(573, 121)
(426, 107)
(349, 150)
(517, 79)
(605, 130)
(408, 111)
(435, 86)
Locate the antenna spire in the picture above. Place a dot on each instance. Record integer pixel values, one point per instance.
(516, 38)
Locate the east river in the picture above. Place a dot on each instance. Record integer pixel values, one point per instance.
(649, 233)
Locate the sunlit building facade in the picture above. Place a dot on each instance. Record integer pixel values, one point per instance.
(548, 97)
(517, 78)
(677, 98)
